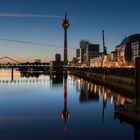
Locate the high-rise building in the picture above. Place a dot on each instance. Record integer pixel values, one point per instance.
(92, 51)
(83, 46)
(77, 53)
(88, 51)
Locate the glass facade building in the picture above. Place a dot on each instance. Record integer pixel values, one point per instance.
(128, 49)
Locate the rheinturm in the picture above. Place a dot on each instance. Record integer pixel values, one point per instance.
(65, 25)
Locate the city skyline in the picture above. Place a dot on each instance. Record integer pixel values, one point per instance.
(32, 29)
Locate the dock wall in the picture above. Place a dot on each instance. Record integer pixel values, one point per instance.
(119, 78)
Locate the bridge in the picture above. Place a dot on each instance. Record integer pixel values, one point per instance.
(23, 65)
(18, 65)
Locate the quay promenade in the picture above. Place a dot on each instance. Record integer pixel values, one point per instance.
(122, 79)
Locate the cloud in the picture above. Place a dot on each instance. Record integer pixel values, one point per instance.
(29, 42)
(29, 15)
(32, 43)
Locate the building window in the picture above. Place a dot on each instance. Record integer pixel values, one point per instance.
(135, 49)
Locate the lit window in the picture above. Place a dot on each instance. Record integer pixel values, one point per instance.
(135, 49)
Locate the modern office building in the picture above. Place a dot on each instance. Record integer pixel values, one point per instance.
(83, 46)
(128, 49)
(88, 51)
(92, 51)
(77, 53)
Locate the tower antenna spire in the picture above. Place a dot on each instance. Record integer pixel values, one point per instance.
(65, 14)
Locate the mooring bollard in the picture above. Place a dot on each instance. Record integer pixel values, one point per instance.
(137, 79)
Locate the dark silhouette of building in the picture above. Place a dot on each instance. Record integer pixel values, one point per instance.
(57, 57)
(77, 53)
(65, 25)
(56, 67)
(56, 79)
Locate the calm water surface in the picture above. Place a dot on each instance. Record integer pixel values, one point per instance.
(42, 108)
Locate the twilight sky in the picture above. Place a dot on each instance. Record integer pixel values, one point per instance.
(28, 27)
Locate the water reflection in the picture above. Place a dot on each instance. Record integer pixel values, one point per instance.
(91, 91)
(65, 113)
(88, 92)
(48, 109)
(56, 79)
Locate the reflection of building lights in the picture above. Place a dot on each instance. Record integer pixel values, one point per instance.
(122, 101)
(108, 91)
(92, 87)
(111, 99)
(88, 86)
(103, 90)
(118, 98)
(99, 90)
(65, 115)
(105, 97)
(78, 84)
(95, 88)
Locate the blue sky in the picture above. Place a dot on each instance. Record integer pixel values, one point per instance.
(119, 18)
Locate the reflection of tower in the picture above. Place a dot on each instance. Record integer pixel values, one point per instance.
(65, 114)
(104, 106)
(65, 25)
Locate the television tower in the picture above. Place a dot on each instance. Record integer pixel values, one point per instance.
(65, 25)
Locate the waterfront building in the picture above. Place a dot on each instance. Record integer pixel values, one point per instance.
(128, 49)
(88, 51)
(92, 51)
(123, 56)
(109, 60)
